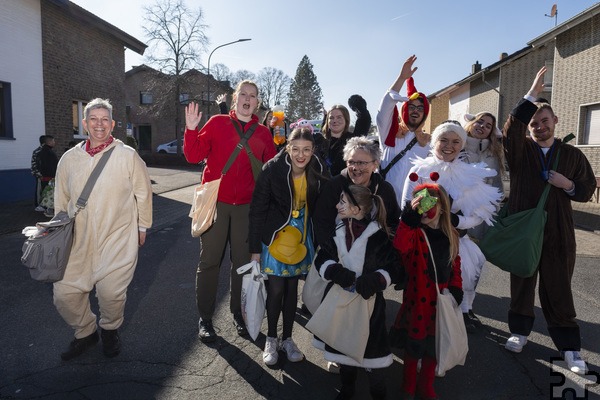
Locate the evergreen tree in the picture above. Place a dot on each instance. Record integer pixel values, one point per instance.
(306, 97)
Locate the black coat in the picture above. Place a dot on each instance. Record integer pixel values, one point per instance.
(271, 206)
(48, 161)
(379, 254)
(324, 218)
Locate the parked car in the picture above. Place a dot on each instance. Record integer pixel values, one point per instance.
(169, 148)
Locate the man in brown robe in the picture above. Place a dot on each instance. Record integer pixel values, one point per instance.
(530, 160)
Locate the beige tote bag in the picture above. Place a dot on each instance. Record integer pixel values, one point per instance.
(204, 207)
(342, 321)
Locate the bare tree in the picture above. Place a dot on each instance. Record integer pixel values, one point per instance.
(177, 39)
(242, 75)
(221, 72)
(274, 86)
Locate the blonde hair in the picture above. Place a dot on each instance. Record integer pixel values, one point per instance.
(238, 88)
(495, 144)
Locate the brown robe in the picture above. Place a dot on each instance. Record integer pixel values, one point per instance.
(558, 253)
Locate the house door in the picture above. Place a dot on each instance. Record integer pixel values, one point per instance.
(145, 137)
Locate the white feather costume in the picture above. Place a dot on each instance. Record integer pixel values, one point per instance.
(477, 200)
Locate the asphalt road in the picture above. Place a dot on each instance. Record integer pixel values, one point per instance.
(162, 357)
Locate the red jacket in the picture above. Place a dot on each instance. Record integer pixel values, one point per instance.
(215, 142)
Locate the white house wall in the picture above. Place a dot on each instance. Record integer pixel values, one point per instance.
(21, 66)
(459, 103)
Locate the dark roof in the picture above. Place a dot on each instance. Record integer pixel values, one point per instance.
(78, 13)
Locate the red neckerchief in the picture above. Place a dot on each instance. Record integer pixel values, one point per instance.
(93, 151)
(354, 228)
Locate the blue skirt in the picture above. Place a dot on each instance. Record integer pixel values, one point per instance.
(270, 266)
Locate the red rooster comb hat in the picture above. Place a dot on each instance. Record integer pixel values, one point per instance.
(412, 94)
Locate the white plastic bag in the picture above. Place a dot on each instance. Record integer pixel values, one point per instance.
(254, 297)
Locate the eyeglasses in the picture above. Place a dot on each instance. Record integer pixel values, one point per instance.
(358, 164)
(307, 151)
(412, 108)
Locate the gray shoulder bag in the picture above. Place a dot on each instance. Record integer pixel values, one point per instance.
(46, 252)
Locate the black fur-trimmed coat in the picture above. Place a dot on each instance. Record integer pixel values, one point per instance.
(379, 256)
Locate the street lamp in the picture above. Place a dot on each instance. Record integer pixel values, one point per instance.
(208, 69)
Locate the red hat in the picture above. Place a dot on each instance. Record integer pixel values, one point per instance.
(412, 94)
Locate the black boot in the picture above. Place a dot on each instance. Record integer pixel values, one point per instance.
(240, 325)
(469, 323)
(78, 346)
(111, 343)
(348, 378)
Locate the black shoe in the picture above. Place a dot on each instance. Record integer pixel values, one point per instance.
(345, 394)
(78, 346)
(111, 343)
(469, 323)
(240, 325)
(474, 317)
(206, 332)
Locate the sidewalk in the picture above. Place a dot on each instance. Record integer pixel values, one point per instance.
(172, 188)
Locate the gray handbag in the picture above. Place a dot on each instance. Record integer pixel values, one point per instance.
(47, 252)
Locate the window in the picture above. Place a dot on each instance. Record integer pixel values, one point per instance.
(591, 129)
(146, 98)
(549, 73)
(184, 98)
(78, 132)
(6, 128)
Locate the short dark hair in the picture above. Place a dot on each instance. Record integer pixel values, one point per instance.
(42, 139)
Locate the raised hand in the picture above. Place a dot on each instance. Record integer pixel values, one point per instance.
(221, 98)
(193, 115)
(538, 83)
(407, 71)
(407, 68)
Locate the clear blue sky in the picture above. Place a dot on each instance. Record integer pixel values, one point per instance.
(358, 46)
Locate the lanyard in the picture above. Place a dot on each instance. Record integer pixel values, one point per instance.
(546, 164)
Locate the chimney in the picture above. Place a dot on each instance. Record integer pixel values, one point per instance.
(503, 55)
(476, 67)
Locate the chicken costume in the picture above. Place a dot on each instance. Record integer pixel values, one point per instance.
(106, 237)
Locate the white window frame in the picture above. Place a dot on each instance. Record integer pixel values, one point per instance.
(81, 132)
(586, 113)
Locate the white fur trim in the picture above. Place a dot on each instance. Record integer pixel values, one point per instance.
(324, 267)
(380, 362)
(449, 127)
(355, 258)
(386, 275)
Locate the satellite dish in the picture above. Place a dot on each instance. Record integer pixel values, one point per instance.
(553, 14)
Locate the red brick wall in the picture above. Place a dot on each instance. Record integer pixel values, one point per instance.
(81, 62)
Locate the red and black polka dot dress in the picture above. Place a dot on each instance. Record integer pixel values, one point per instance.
(414, 328)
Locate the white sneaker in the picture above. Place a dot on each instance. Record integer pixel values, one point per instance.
(332, 367)
(574, 362)
(515, 343)
(270, 355)
(40, 209)
(291, 350)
